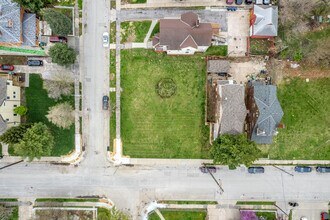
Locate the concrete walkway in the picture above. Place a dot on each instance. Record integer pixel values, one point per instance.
(4, 149)
(159, 214)
(152, 26)
(25, 208)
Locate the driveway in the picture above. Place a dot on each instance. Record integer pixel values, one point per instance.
(238, 32)
(312, 211)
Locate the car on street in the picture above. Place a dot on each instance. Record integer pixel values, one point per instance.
(105, 39)
(208, 169)
(323, 169)
(324, 216)
(266, 2)
(58, 39)
(6, 67)
(302, 169)
(255, 170)
(229, 2)
(35, 63)
(105, 102)
(238, 2)
(248, 2)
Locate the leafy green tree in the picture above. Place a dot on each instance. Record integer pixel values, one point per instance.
(58, 22)
(34, 5)
(113, 214)
(14, 134)
(62, 54)
(36, 142)
(233, 150)
(20, 110)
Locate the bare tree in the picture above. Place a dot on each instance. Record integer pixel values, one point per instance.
(5, 212)
(59, 85)
(62, 115)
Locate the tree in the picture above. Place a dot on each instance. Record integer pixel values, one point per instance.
(62, 54)
(58, 22)
(34, 5)
(113, 214)
(62, 115)
(36, 142)
(14, 134)
(20, 110)
(234, 150)
(59, 85)
(5, 212)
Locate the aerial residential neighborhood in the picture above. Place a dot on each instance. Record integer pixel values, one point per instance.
(164, 109)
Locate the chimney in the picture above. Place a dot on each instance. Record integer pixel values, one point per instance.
(10, 23)
(197, 23)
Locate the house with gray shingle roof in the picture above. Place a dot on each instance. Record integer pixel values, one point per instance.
(264, 21)
(232, 110)
(265, 113)
(16, 26)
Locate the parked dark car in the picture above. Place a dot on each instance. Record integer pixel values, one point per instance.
(302, 169)
(229, 2)
(323, 169)
(35, 63)
(208, 169)
(58, 39)
(238, 2)
(248, 2)
(6, 67)
(324, 216)
(256, 170)
(105, 102)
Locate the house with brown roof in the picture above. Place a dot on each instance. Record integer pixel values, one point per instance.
(183, 36)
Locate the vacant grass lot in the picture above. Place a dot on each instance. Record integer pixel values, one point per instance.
(180, 215)
(38, 105)
(130, 31)
(163, 128)
(306, 118)
(259, 46)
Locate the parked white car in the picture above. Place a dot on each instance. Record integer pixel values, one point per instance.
(105, 39)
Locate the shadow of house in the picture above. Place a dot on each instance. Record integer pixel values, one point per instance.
(17, 28)
(183, 36)
(265, 112)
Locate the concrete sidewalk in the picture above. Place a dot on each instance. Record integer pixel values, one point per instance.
(173, 3)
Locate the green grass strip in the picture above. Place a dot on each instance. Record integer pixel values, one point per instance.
(67, 200)
(21, 50)
(189, 202)
(8, 200)
(254, 203)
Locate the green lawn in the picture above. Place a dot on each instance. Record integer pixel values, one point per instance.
(180, 215)
(130, 31)
(254, 203)
(306, 118)
(163, 128)
(38, 105)
(217, 51)
(259, 46)
(267, 215)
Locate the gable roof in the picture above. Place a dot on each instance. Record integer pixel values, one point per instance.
(174, 33)
(232, 108)
(16, 26)
(270, 114)
(265, 20)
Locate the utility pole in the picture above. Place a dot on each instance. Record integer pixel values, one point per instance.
(208, 170)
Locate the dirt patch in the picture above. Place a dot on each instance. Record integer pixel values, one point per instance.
(14, 60)
(310, 72)
(240, 71)
(64, 214)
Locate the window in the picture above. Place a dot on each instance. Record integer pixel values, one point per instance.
(7, 119)
(8, 83)
(15, 114)
(15, 105)
(14, 93)
(8, 97)
(14, 96)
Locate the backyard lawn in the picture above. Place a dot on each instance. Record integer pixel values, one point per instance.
(156, 127)
(38, 104)
(179, 215)
(259, 46)
(306, 107)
